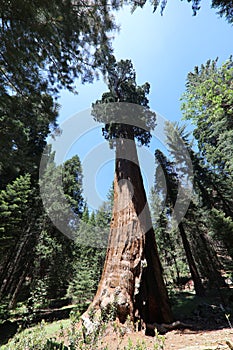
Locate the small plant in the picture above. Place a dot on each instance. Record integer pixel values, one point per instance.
(227, 316)
(159, 341)
(228, 320)
(52, 344)
(141, 345)
(130, 345)
(34, 340)
(4, 310)
(109, 313)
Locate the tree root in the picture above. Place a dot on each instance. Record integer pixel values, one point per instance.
(165, 327)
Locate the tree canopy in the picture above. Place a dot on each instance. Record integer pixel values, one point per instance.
(123, 122)
(208, 102)
(53, 42)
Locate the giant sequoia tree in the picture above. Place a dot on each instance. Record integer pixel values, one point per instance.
(132, 276)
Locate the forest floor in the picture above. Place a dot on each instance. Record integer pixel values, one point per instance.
(185, 339)
(204, 325)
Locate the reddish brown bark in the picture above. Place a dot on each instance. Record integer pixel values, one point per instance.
(132, 275)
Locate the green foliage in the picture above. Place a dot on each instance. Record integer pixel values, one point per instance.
(163, 197)
(4, 310)
(84, 284)
(72, 183)
(35, 338)
(61, 191)
(47, 336)
(90, 244)
(55, 252)
(89, 259)
(15, 204)
(53, 42)
(222, 229)
(35, 250)
(52, 266)
(38, 298)
(210, 190)
(25, 124)
(225, 8)
(85, 214)
(123, 88)
(208, 103)
(170, 247)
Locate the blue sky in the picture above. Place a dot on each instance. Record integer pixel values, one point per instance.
(163, 49)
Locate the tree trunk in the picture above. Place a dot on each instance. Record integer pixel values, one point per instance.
(199, 289)
(132, 279)
(17, 266)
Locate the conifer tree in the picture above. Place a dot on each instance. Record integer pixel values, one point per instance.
(207, 194)
(207, 102)
(132, 275)
(171, 186)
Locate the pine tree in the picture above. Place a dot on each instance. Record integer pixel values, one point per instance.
(206, 190)
(55, 251)
(208, 103)
(17, 220)
(172, 181)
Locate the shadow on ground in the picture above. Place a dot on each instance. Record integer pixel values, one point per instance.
(212, 312)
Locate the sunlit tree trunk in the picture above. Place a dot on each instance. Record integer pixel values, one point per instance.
(132, 276)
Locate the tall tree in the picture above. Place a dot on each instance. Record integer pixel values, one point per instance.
(208, 193)
(17, 226)
(132, 276)
(208, 102)
(172, 180)
(170, 247)
(89, 259)
(33, 247)
(55, 252)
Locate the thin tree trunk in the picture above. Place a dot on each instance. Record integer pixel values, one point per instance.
(199, 289)
(18, 264)
(20, 281)
(132, 276)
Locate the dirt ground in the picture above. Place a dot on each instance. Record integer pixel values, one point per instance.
(206, 326)
(198, 340)
(175, 340)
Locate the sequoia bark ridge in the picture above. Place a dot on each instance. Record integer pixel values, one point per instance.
(132, 276)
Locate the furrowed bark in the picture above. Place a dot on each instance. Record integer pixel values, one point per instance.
(132, 276)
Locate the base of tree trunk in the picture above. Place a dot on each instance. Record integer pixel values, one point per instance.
(131, 287)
